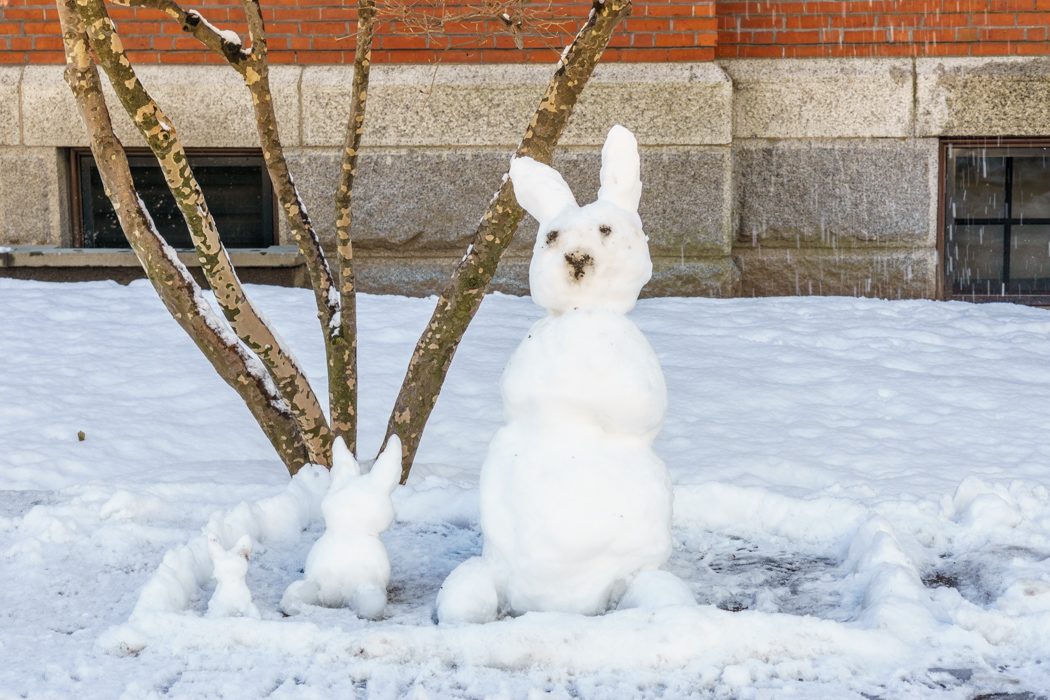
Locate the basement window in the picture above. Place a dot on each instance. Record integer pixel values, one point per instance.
(996, 233)
(235, 184)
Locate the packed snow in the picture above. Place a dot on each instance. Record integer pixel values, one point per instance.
(348, 565)
(861, 508)
(575, 505)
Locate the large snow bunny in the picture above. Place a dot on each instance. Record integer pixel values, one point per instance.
(575, 505)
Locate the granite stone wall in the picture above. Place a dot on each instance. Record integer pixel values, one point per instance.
(761, 176)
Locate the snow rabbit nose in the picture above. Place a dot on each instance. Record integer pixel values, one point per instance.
(602, 241)
(579, 262)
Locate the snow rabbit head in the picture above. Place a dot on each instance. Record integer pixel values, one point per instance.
(360, 503)
(590, 257)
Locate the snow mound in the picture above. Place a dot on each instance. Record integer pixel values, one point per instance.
(176, 584)
(822, 452)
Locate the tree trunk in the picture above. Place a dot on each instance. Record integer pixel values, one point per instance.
(342, 384)
(460, 300)
(162, 138)
(176, 288)
(336, 308)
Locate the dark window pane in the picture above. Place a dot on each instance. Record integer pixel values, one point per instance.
(980, 187)
(236, 187)
(975, 258)
(1030, 259)
(1031, 195)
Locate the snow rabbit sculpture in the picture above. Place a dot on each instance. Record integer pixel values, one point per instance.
(348, 566)
(229, 568)
(575, 505)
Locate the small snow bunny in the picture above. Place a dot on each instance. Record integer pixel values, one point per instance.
(575, 505)
(231, 597)
(348, 565)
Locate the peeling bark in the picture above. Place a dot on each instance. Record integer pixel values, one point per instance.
(176, 288)
(342, 384)
(460, 300)
(162, 138)
(338, 326)
(255, 69)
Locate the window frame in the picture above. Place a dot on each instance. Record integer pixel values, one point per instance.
(80, 157)
(944, 284)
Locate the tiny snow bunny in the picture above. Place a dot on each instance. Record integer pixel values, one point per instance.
(575, 505)
(348, 565)
(231, 597)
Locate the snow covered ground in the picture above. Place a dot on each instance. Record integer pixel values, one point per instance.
(862, 508)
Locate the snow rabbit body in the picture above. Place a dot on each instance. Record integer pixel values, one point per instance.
(348, 565)
(575, 505)
(229, 568)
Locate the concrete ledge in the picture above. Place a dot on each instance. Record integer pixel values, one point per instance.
(375, 274)
(890, 274)
(821, 98)
(43, 256)
(10, 118)
(715, 277)
(457, 105)
(836, 193)
(706, 277)
(210, 106)
(983, 96)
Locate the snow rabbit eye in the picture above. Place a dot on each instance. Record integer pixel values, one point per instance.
(577, 262)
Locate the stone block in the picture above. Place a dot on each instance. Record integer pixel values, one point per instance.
(404, 200)
(10, 118)
(703, 277)
(836, 193)
(662, 103)
(431, 200)
(459, 105)
(33, 197)
(686, 205)
(821, 98)
(902, 273)
(1003, 96)
(210, 106)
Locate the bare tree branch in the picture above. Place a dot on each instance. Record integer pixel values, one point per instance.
(343, 395)
(237, 365)
(162, 138)
(338, 327)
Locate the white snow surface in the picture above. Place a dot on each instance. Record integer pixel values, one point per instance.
(348, 565)
(574, 502)
(861, 508)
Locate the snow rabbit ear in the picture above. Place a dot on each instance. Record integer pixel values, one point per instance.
(215, 548)
(540, 189)
(621, 170)
(386, 472)
(344, 465)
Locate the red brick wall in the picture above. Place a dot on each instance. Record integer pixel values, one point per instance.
(320, 31)
(864, 28)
